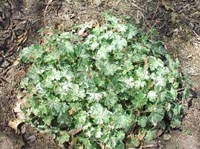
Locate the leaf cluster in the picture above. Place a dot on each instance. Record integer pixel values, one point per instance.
(113, 85)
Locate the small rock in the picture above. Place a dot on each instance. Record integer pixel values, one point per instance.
(167, 137)
(30, 138)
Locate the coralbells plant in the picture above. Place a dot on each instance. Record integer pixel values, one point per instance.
(112, 88)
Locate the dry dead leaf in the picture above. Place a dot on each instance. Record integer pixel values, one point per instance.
(18, 111)
(71, 111)
(19, 116)
(20, 95)
(14, 125)
(22, 38)
(75, 131)
(88, 25)
(74, 141)
(160, 132)
(16, 62)
(81, 147)
(168, 5)
(141, 136)
(97, 2)
(17, 107)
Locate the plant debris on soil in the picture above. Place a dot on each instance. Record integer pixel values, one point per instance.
(177, 23)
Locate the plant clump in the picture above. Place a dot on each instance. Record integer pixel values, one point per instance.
(112, 88)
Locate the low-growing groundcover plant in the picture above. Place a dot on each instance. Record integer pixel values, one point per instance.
(112, 88)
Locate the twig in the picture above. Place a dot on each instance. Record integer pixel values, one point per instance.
(136, 6)
(117, 3)
(195, 74)
(155, 12)
(10, 3)
(45, 10)
(150, 146)
(2, 79)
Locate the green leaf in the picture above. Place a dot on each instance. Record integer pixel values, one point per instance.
(186, 92)
(63, 118)
(86, 142)
(157, 116)
(81, 119)
(122, 121)
(30, 54)
(99, 114)
(139, 100)
(134, 142)
(150, 135)
(142, 121)
(155, 63)
(48, 119)
(63, 137)
(152, 96)
(175, 123)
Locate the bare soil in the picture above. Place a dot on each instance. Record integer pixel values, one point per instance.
(177, 23)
